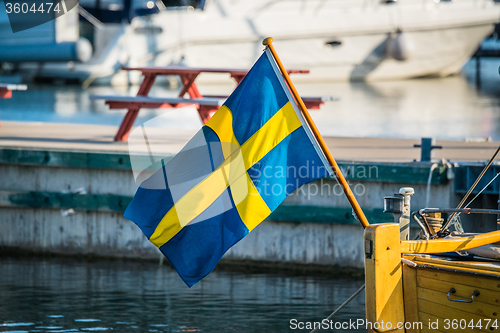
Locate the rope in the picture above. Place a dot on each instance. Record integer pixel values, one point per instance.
(484, 188)
(342, 306)
(445, 226)
(429, 179)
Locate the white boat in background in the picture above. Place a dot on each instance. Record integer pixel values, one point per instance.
(335, 39)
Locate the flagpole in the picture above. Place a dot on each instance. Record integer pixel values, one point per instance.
(338, 173)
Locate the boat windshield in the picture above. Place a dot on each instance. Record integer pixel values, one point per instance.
(116, 11)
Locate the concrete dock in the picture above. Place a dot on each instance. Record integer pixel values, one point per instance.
(64, 187)
(100, 138)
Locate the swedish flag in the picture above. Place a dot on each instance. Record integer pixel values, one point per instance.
(230, 176)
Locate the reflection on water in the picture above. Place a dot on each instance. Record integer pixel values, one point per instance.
(447, 108)
(65, 295)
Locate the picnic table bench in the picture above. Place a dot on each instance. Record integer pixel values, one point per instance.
(6, 89)
(205, 104)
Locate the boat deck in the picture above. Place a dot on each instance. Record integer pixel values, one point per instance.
(447, 295)
(476, 266)
(57, 136)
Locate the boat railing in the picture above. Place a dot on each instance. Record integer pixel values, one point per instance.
(452, 244)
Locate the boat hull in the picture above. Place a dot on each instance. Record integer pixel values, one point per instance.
(423, 293)
(359, 57)
(336, 40)
(426, 290)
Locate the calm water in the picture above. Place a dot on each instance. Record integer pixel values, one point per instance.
(448, 108)
(66, 295)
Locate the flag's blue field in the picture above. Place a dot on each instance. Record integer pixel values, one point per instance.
(231, 175)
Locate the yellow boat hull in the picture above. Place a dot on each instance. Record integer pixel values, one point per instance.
(424, 293)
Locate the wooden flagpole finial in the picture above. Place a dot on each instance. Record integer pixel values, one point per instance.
(267, 41)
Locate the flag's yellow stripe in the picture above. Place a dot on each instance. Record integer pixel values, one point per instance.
(284, 122)
(222, 124)
(252, 209)
(249, 203)
(192, 204)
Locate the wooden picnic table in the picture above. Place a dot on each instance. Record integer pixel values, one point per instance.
(6, 89)
(206, 105)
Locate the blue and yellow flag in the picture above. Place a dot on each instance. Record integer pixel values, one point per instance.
(253, 152)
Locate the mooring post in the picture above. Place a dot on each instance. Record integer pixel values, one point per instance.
(427, 145)
(404, 220)
(399, 206)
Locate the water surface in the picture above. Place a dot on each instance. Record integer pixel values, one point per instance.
(68, 295)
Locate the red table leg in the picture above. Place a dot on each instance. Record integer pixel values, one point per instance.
(128, 121)
(189, 86)
(5, 93)
(238, 78)
(206, 112)
(194, 92)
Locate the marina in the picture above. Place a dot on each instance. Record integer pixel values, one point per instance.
(367, 40)
(158, 177)
(444, 108)
(94, 164)
(78, 176)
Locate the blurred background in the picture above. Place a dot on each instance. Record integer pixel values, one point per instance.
(357, 51)
(387, 74)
